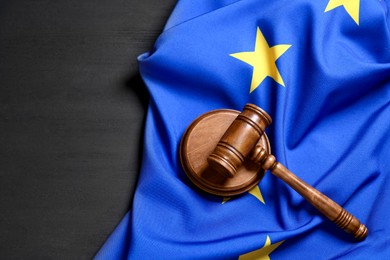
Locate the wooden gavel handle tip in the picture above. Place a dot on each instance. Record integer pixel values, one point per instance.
(351, 224)
(361, 233)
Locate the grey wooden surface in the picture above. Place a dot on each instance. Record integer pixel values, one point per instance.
(72, 108)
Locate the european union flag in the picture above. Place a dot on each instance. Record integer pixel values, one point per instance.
(321, 69)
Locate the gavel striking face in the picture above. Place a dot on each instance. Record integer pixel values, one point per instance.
(226, 153)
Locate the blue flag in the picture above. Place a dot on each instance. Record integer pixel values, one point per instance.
(321, 69)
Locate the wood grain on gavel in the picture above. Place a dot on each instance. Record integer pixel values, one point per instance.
(326, 206)
(240, 141)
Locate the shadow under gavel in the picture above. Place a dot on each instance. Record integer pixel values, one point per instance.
(240, 142)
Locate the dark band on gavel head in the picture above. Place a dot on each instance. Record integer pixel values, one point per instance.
(239, 140)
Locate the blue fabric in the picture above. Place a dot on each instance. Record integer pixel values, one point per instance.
(331, 126)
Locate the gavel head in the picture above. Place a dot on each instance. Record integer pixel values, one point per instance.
(239, 140)
(215, 145)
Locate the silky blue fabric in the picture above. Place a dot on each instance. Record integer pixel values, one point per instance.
(331, 127)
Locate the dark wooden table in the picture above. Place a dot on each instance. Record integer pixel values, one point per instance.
(72, 108)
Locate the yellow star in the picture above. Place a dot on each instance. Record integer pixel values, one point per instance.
(262, 253)
(263, 59)
(257, 194)
(351, 6)
(254, 192)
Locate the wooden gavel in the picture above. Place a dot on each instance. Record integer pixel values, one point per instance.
(238, 143)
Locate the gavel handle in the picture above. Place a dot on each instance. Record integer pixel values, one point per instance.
(325, 205)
